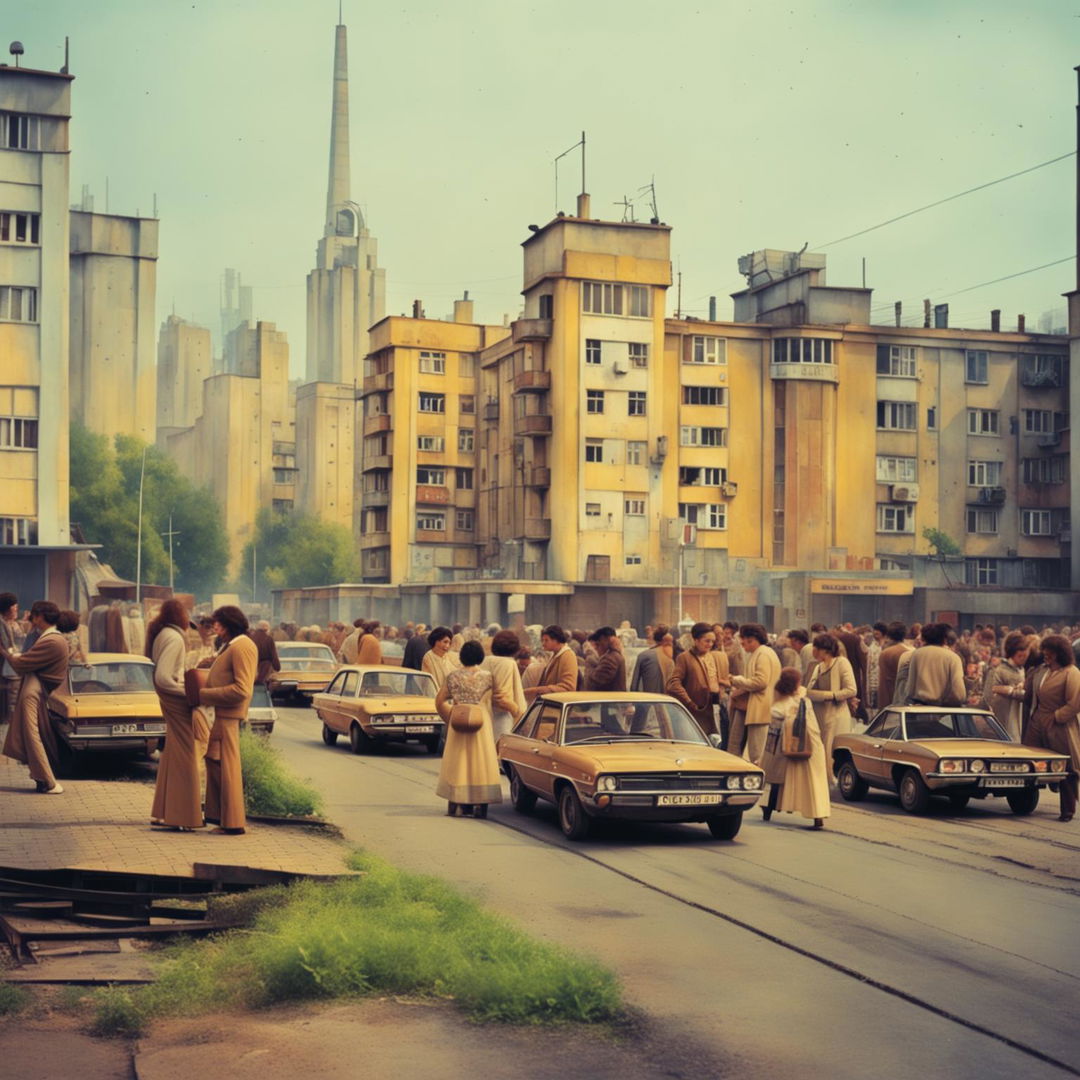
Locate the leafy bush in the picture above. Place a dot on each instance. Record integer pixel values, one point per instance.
(269, 788)
(13, 999)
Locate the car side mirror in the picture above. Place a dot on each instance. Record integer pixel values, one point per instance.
(716, 741)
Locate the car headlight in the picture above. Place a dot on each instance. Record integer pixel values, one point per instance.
(752, 782)
(606, 783)
(1040, 766)
(734, 783)
(978, 766)
(953, 765)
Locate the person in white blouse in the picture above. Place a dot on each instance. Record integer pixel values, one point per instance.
(507, 681)
(440, 660)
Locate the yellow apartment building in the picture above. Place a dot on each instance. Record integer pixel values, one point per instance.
(184, 360)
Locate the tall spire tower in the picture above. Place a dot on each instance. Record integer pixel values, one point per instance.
(337, 188)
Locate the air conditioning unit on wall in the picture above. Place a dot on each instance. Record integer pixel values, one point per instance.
(905, 493)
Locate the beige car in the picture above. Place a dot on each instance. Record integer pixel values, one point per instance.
(380, 704)
(306, 669)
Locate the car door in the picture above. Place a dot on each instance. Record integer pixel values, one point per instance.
(871, 759)
(536, 761)
(326, 702)
(345, 705)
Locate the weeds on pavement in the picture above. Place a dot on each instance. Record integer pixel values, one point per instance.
(13, 999)
(269, 788)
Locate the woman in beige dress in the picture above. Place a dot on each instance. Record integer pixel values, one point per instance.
(178, 792)
(1004, 685)
(506, 684)
(440, 660)
(796, 785)
(830, 685)
(469, 777)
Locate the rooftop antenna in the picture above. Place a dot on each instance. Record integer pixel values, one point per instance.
(339, 17)
(16, 49)
(581, 143)
(628, 209)
(64, 69)
(650, 187)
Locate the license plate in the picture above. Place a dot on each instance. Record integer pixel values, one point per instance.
(419, 729)
(1000, 781)
(125, 729)
(688, 800)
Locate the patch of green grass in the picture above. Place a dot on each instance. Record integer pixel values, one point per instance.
(13, 999)
(386, 932)
(269, 787)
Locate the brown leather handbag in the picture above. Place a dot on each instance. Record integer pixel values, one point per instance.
(466, 718)
(194, 681)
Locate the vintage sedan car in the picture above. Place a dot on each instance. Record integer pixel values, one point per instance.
(108, 703)
(636, 757)
(924, 750)
(374, 704)
(306, 669)
(261, 715)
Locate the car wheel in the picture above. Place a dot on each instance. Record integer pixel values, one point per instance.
(959, 801)
(329, 737)
(725, 826)
(523, 799)
(1023, 801)
(359, 742)
(852, 786)
(573, 820)
(914, 794)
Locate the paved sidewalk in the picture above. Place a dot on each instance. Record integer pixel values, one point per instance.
(105, 825)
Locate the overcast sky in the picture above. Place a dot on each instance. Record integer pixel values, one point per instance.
(764, 125)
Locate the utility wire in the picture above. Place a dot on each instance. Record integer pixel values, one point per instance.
(1008, 277)
(950, 198)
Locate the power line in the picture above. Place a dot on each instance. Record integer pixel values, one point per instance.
(1008, 277)
(950, 198)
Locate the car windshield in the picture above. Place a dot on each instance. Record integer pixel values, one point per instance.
(306, 658)
(954, 725)
(608, 721)
(119, 677)
(396, 684)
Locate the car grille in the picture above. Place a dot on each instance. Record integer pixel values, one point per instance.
(673, 782)
(1010, 766)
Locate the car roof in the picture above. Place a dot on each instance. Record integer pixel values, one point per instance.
(117, 657)
(302, 644)
(934, 709)
(573, 697)
(383, 669)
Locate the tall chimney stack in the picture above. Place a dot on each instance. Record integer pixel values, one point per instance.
(995, 320)
(583, 205)
(417, 310)
(712, 309)
(1021, 322)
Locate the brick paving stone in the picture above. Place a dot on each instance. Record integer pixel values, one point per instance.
(105, 825)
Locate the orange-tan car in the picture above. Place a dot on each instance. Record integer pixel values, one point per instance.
(108, 703)
(924, 750)
(378, 704)
(306, 669)
(637, 757)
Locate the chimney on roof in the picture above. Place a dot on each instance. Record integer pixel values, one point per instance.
(995, 320)
(1021, 323)
(898, 309)
(926, 314)
(712, 309)
(417, 310)
(463, 309)
(941, 316)
(583, 205)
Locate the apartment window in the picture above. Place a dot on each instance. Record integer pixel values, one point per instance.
(433, 363)
(1036, 522)
(1043, 370)
(634, 505)
(435, 444)
(466, 440)
(594, 401)
(702, 436)
(463, 479)
(465, 520)
(18, 433)
(281, 506)
(639, 354)
(467, 404)
(635, 403)
(983, 521)
(284, 476)
(467, 365)
(802, 351)
(976, 366)
(704, 395)
(594, 450)
(983, 421)
(425, 475)
(1045, 573)
(1041, 470)
(18, 303)
(896, 470)
(546, 305)
(601, 298)
(431, 522)
(691, 513)
(895, 518)
(633, 560)
(379, 480)
(707, 350)
(696, 476)
(1038, 422)
(717, 516)
(18, 228)
(592, 509)
(896, 360)
(635, 453)
(896, 415)
(931, 418)
(433, 403)
(638, 297)
(981, 572)
(984, 474)
(377, 519)
(18, 531)
(592, 350)
(19, 132)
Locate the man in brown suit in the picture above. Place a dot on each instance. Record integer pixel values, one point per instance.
(610, 673)
(750, 722)
(935, 675)
(698, 676)
(43, 668)
(893, 648)
(268, 654)
(561, 672)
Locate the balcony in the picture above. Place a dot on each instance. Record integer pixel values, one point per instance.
(376, 498)
(374, 540)
(1037, 379)
(430, 536)
(532, 424)
(530, 330)
(287, 449)
(538, 528)
(432, 494)
(376, 461)
(1049, 441)
(532, 380)
(491, 409)
(374, 383)
(538, 476)
(374, 424)
(991, 496)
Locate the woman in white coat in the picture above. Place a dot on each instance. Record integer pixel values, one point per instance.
(507, 682)
(440, 660)
(829, 686)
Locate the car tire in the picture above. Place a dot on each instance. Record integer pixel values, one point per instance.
(725, 826)
(573, 820)
(1023, 801)
(523, 799)
(958, 801)
(852, 786)
(329, 737)
(914, 794)
(359, 742)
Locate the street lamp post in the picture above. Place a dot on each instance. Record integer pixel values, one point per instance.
(138, 540)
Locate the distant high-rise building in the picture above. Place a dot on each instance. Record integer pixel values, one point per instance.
(184, 361)
(236, 311)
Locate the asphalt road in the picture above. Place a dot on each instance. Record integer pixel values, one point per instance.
(883, 945)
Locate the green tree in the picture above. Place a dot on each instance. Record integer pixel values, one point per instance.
(942, 543)
(105, 503)
(297, 550)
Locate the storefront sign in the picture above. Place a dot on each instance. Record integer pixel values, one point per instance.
(863, 587)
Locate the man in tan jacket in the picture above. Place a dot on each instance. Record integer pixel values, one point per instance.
(561, 672)
(750, 720)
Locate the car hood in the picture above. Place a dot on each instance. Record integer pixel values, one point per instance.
(653, 757)
(90, 706)
(983, 748)
(375, 706)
